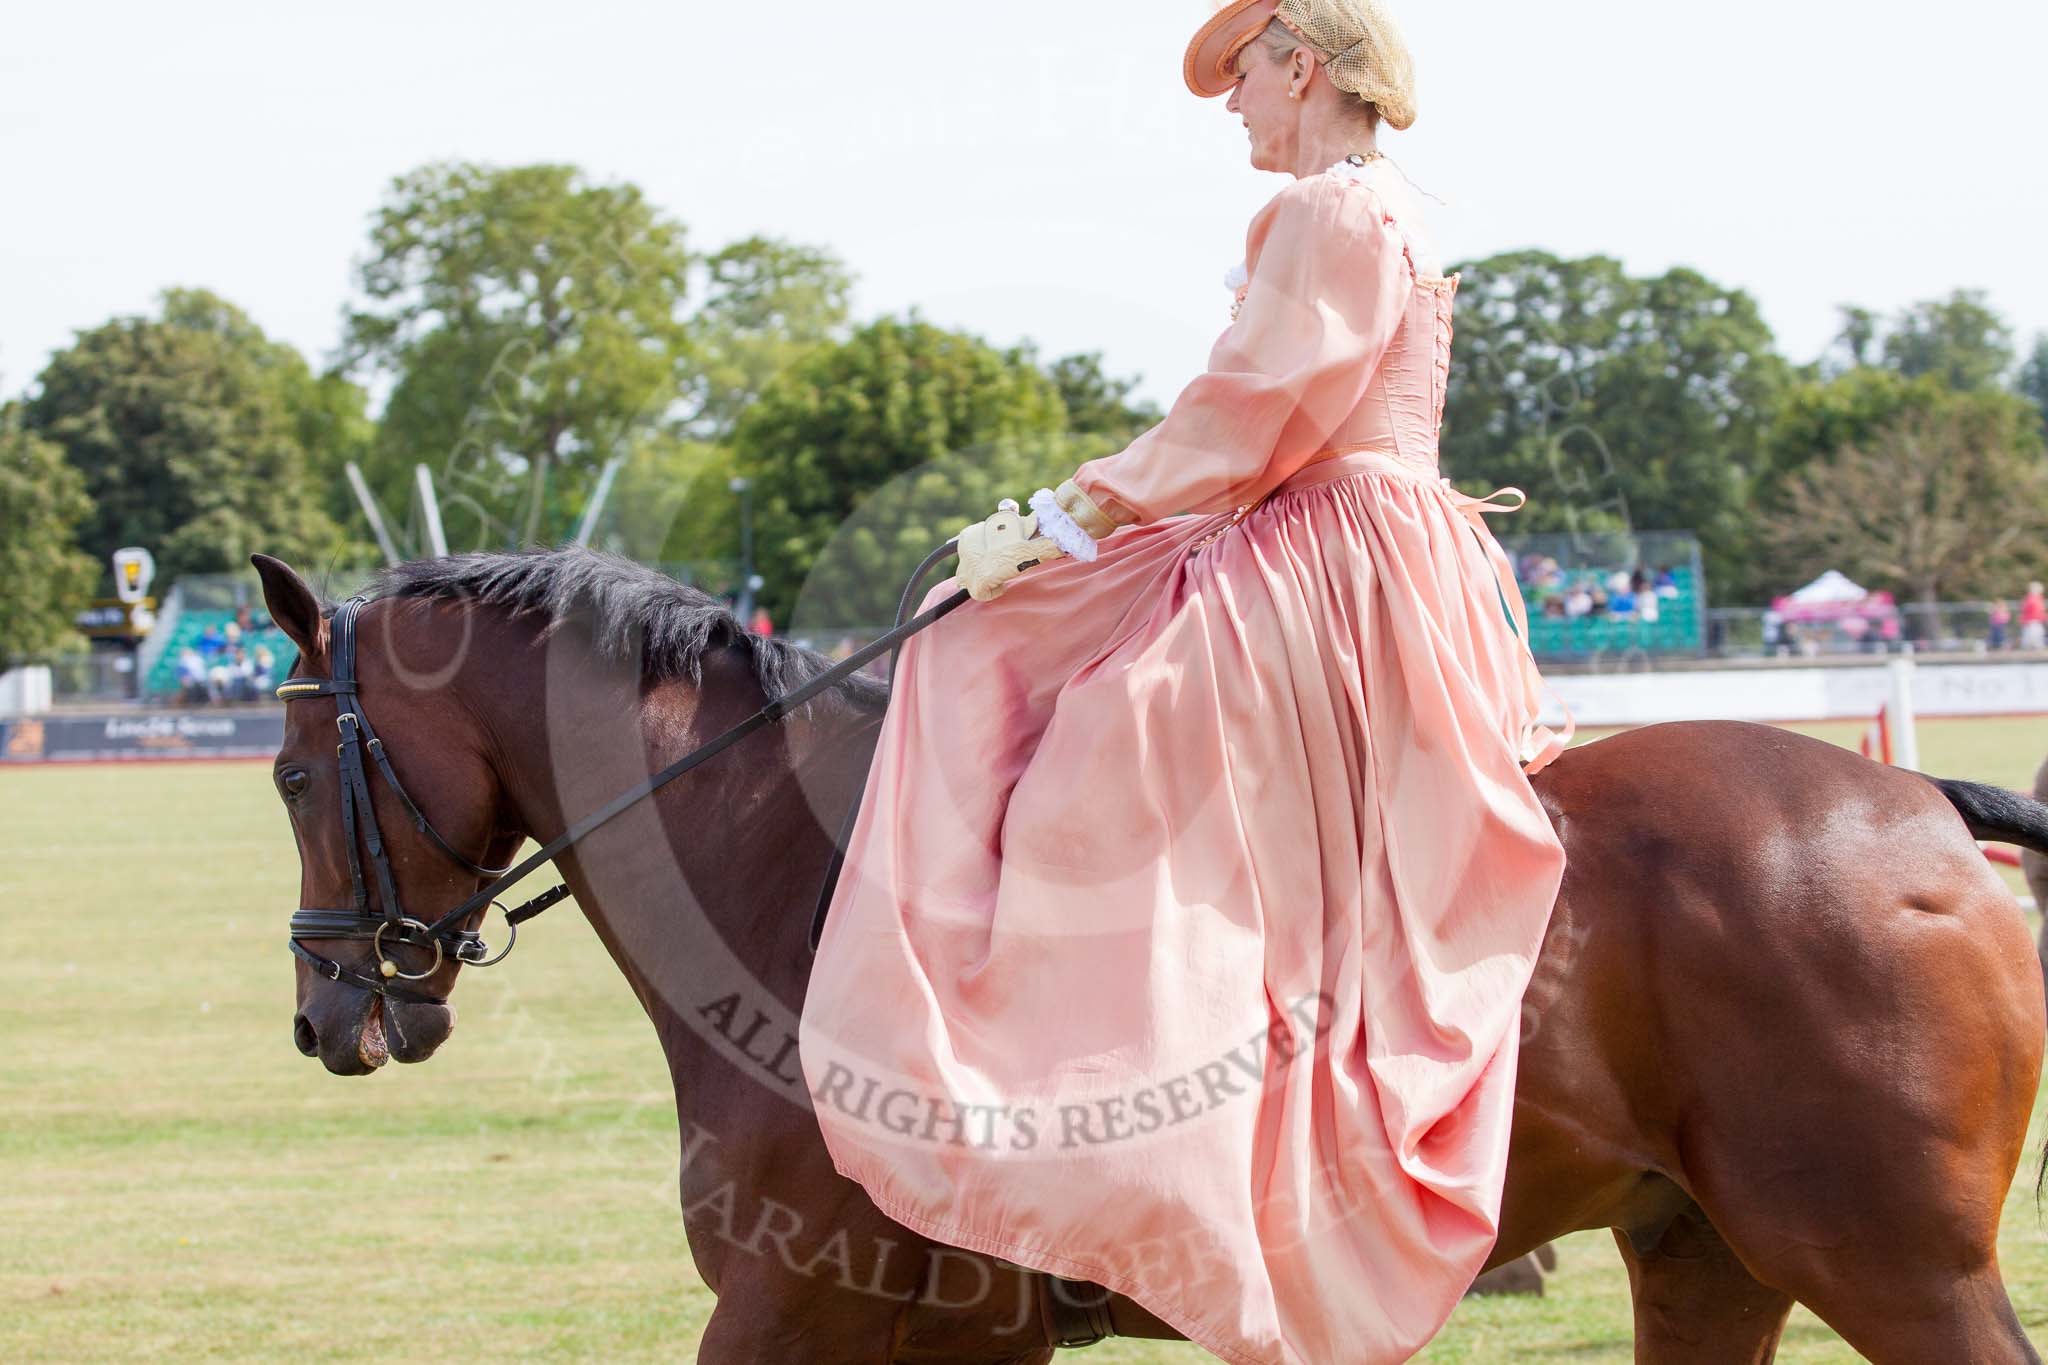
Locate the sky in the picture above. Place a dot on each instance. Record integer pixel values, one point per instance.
(1031, 171)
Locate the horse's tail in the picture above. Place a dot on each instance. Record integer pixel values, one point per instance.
(1994, 813)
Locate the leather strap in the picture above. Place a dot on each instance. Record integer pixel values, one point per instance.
(1075, 1313)
(334, 971)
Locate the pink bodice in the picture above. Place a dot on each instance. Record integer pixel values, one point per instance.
(1340, 342)
(1402, 411)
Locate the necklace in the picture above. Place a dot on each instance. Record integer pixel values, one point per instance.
(1364, 158)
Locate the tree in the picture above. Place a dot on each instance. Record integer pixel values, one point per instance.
(943, 422)
(531, 326)
(42, 504)
(185, 431)
(1816, 418)
(1959, 340)
(767, 303)
(2033, 379)
(1614, 402)
(1096, 403)
(673, 503)
(1948, 497)
(1856, 341)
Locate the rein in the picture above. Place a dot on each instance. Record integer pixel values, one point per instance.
(446, 935)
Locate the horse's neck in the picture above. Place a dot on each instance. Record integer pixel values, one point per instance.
(702, 893)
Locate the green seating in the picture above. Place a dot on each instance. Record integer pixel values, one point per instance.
(1676, 629)
(163, 677)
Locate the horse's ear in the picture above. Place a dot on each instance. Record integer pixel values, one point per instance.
(292, 604)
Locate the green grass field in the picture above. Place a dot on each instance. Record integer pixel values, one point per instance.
(176, 1180)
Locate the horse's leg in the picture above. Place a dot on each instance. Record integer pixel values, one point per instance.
(757, 1322)
(1898, 1308)
(1906, 1314)
(1696, 1304)
(944, 1307)
(1885, 1223)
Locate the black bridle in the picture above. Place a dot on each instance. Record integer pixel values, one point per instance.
(447, 936)
(358, 749)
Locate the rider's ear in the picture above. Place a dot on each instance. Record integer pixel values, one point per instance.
(292, 604)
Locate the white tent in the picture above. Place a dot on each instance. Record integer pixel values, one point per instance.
(1832, 586)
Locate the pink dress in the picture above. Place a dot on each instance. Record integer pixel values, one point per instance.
(1183, 935)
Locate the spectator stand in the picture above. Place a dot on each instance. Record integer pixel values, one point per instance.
(1596, 594)
(215, 644)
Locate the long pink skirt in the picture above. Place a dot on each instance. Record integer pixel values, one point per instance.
(1183, 935)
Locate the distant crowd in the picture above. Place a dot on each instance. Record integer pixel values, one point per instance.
(1884, 629)
(1568, 594)
(2032, 617)
(222, 665)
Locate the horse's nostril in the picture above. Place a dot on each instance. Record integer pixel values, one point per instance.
(303, 1035)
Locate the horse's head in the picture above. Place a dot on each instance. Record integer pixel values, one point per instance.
(396, 824)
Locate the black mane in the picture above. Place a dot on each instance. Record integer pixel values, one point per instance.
(630, 612)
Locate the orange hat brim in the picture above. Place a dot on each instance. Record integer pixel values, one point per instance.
(1213, 50)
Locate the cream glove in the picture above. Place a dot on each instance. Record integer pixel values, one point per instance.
(995, 551)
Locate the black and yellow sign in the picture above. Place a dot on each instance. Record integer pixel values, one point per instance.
(109, 618)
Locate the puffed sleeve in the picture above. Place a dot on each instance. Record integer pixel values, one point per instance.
(1328, 289)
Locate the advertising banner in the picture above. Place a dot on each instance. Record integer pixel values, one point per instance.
(141, 735)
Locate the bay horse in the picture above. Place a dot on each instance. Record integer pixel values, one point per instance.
(1783, 1038)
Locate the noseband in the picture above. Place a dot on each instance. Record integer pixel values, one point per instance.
(446, 936)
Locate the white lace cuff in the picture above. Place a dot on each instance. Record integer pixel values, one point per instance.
(1062, 529)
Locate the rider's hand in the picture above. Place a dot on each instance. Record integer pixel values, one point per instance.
(994, 551)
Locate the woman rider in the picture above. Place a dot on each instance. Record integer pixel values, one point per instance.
(1183, 932)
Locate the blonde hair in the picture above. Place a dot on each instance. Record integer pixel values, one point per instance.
(1281, 42)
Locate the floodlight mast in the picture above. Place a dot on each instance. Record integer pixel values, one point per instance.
(430, 512)
(598, 497)
(370, 510)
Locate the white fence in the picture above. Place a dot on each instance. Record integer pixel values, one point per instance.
(1818, 692)
(25, 691)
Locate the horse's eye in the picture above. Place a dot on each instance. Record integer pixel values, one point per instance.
(293, 783)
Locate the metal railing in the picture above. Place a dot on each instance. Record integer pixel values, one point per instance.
(1917, 628)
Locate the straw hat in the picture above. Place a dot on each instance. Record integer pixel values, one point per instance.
(1361, 49)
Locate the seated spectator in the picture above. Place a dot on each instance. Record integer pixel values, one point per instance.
(265, 671)
(232, 677)
(1667, 582)
(1645, 596)
(191, 677)
(210, 643)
